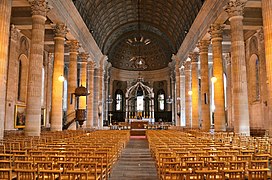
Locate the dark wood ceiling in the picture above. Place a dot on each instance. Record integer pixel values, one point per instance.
(164, 22)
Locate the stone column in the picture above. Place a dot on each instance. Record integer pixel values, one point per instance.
(12, 78)
(90, 98)
(203, 46)
(101, 100)
(173, 99)
(83, 81)
(57, 94)
(229, 90)
(5, 13)
(239, 80)
(216, 31)
(95, 97)
(34, 91)
(49, 88)
(195, 89)
(72, 82)
(83, 78)
(267, 29)
(177, 97)
(263, 78)
(188, 100)
(182, 97)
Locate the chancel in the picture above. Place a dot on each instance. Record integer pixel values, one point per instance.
(170, 89)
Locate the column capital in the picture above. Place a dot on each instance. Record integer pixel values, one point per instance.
(73, 45)
(39, 7)
(235, 7)
(14, 33)
(181, 70)
(260, 34)
(203, 46)
(227, 58)
(187, 65)
(84, 57)
(60, 30)
(216, 32)
(91, 64)
(194, 57)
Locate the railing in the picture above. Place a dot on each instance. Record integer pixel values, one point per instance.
(66, 122)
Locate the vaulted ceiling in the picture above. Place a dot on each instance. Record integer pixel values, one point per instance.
(163, 23)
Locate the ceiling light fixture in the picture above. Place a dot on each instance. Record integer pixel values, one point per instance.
(138, 42)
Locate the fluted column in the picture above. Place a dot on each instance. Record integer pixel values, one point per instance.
(72, 81)
(267, 29)
(205, 94)
(90, 98)
(195, 90)
(239, 80)
(34, 91)
(182, 97)
(216, 31)
(188, 100)
(5, 13)
(49, 88)
(57, 94)
(95, 97)
(177, 98)
(101, 88)
(229, 90)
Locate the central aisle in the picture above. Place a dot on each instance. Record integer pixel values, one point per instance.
(135, 162)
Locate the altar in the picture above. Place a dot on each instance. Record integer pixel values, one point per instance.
(138, 124)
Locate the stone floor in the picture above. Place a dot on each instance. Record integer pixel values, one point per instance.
(135, 162)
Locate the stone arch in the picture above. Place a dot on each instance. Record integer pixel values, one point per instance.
(24, 46)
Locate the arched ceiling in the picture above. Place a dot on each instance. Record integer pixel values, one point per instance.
(163, 22)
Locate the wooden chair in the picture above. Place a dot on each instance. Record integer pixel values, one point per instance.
(25, 174)
(90, 167)
(23, 165)
(169, 166)
(194, 165)
(237, 165)
(258, 164)
(65, 165)
(6, 173)
(179, 175)
(48, 174)
(236, 174)
(207, 175)
(6, 164)
(74, 175)
(258, 174)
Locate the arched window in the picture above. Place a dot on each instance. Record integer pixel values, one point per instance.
(254, 78)
(19, 80)
(257, 75)
(43, 74)
(161, 98)
(22, 74)
(119, 100)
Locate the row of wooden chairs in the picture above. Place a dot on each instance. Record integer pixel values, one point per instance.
(92, 152)
(183, 155)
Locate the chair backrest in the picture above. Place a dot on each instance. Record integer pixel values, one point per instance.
(258, 174)
(25, 174)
